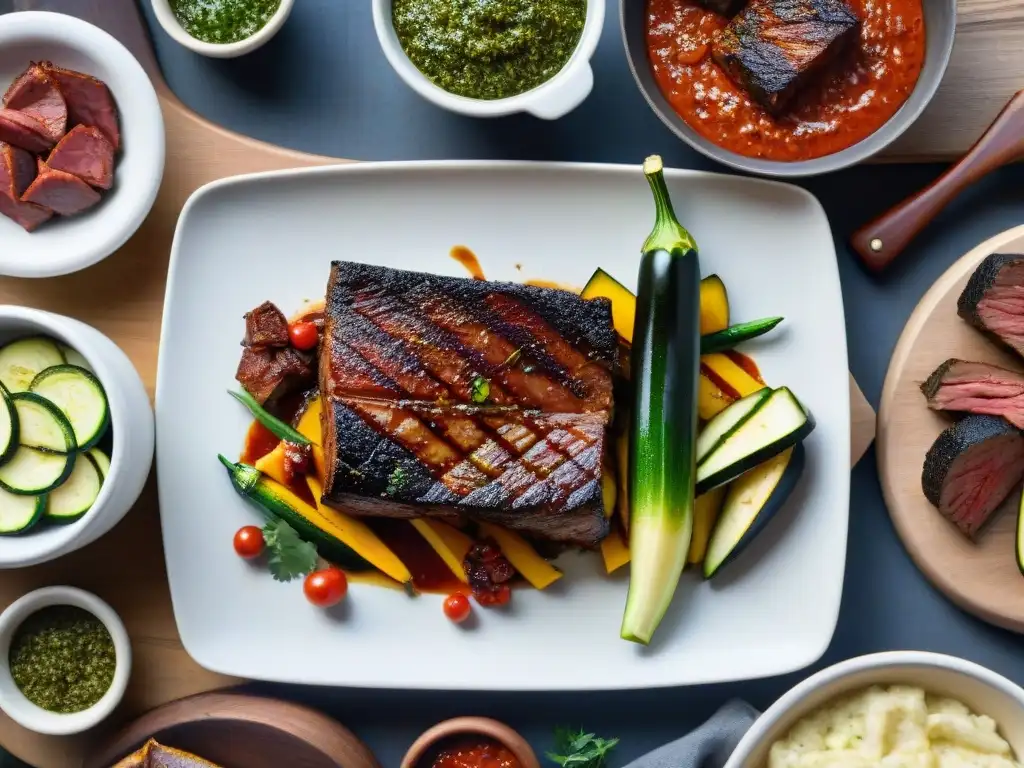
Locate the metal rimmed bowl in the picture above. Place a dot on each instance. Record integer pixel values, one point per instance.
(940, 29)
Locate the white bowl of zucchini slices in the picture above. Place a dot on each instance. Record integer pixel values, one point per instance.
(76, 435)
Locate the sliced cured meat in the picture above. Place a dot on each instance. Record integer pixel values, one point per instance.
(772, 47)
(455, 398)
(89, 101)
(36, 94)
(960, 386)
(24, 131)
(971, 468)
(86, 153)
(61, 192)
(993, 299)
(17, 170)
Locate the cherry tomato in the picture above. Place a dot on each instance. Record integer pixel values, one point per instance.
(457, 607)
(249, 542)
(326, 587)
(303, 335)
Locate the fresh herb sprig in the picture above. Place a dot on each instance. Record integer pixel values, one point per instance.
(578, 749)
(289, 556)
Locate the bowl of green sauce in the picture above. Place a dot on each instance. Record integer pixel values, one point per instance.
(65, 659)
(222, 29)
(488, 58)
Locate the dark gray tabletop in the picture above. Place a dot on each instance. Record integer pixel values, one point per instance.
(322, 85)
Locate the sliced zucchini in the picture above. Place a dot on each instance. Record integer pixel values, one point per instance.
(723, 425)
(31, 472)
(22, 360)
(80, 396)
(78, 493)
(751, 501)
(8, 425)
(780, 422)
(74, 357)
(19, 513)
(41, 424)
(102, 461)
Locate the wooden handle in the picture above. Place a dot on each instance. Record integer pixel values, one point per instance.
(883, 239)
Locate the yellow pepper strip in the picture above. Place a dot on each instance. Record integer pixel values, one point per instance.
(524, 558)
(714, 305)
(272, 464)
(309, 427)
(737, 378)
(451, 544)
(705, 513)
(614, 550)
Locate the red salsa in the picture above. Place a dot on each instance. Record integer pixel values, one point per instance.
(473, 752)
(852, 99)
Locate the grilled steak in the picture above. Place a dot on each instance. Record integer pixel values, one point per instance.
(971, 468)
(61, 192)
(993, 299)
(89, 101)
(36, 94)
(773, 47)
(270, 367)
(456, 398)
(86, 153)
(17, 169)
(963, 387)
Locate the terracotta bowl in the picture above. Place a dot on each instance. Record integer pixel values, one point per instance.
(482, 726)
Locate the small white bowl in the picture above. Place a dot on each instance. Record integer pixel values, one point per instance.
(982, 690)
(131, 419)
(64, 245)
(165, 15)
(35, 718)
(549, 101)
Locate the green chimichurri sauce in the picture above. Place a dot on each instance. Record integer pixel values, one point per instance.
(62, 658)
(223, 21)
(489, 49)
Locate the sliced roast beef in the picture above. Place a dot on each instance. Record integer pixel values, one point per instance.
(36, 94)
(86, 153)
(24, 131)
(270, 367)
(17, 170)
(89, 101)
(266, 326)
(971, 468)
(960, 386)
(61, 192)
(993, 299)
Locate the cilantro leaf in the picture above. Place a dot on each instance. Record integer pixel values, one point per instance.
(290, 556)
(396, 480)
(578, 749)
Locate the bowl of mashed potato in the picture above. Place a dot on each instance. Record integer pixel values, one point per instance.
(902, 709)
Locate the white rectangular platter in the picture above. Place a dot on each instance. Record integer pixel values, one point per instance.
(272, 236)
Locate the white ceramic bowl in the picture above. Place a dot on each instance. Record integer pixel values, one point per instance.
(549, 101)
(984, 691)
(61, 246)
(167, 19)
(35, 718)
(131, 419)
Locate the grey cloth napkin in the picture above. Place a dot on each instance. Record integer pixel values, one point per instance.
(709, 746)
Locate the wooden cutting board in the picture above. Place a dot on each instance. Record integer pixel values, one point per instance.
(123, 297)
(981, 577)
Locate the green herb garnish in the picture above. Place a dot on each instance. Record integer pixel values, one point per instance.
(513, 358)
(290, 556)
(276, 427)
(396, 480)
(480, 390)
(577, 749)
(223, 21)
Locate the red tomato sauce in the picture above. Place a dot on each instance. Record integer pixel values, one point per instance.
(847, 102)
(474, 752)
(429, 572)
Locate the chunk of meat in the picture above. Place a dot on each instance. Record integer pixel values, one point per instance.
(266, 326)
(960, 386)
(773, 47)
(61, 192)
(268, 373)
(36, 94)
(17, 170)
(86, 153)
(993, 299)
(24, 131)
(89, 101)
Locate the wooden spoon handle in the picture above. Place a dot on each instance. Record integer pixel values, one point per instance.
(883, 239)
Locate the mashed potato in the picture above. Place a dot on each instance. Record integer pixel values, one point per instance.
(894, 727)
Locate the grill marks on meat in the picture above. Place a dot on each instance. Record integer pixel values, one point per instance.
(773, 47)
(36, 94)
(402, 435)
(971, 468)
(270, 367)
(965, 387)
(61, 192)
(86, 153)
(993, 299)
(17, 170)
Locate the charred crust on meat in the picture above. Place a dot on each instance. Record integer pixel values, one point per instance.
(931, 385)
(997, 272)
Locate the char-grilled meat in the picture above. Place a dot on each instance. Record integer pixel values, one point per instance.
(270, 367)
(960, 386)
(971, 468)
(86, 153)
(993, 299)
(17, 170)
(773, 47)
(456, 398)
